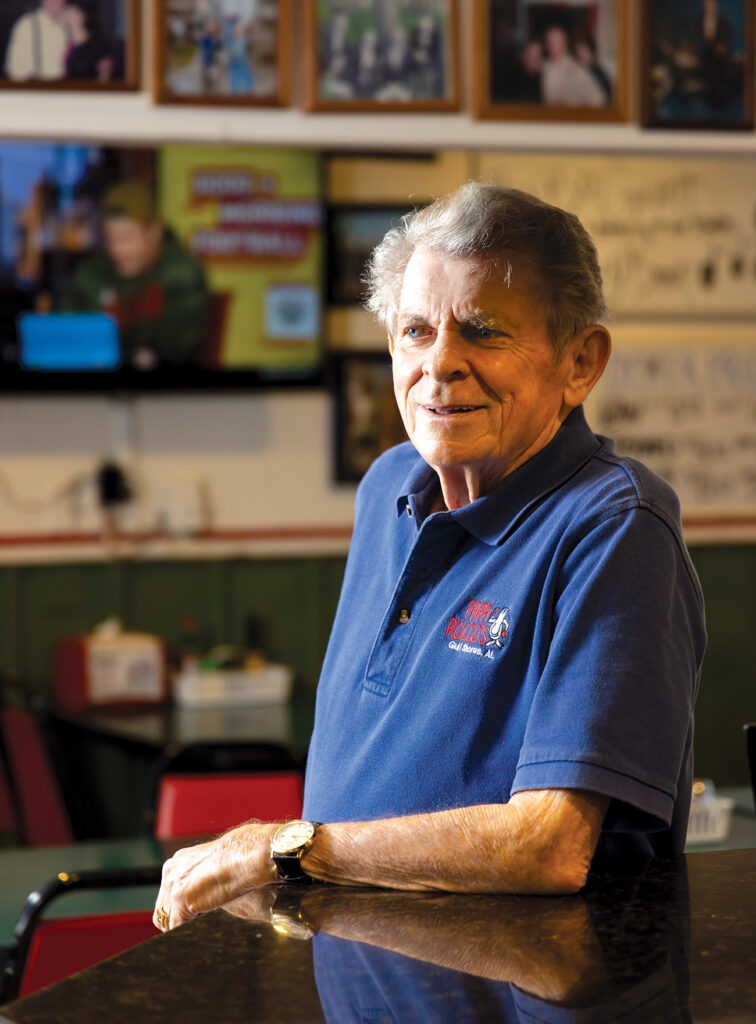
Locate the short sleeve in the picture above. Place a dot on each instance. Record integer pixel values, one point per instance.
(613, 707)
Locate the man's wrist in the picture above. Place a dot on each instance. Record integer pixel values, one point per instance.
(288, 845)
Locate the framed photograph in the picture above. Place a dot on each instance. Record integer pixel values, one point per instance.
(69, 44)
(222, 52)
(382, 55)
(539, 60)
(366, 420)
(352, 232)
(697, 64)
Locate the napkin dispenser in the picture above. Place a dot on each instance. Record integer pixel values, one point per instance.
(110, 668)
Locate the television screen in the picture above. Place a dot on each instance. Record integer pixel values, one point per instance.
(178, 267)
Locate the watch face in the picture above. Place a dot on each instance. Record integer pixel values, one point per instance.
(290, 927)
(291, 836)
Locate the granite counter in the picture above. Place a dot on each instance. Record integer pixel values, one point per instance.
(655, 943)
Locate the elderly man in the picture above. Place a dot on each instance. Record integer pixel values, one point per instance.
(509, 684)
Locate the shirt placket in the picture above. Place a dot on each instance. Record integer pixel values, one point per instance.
(432, 549)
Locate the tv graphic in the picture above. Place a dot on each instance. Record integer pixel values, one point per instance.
(196, 263)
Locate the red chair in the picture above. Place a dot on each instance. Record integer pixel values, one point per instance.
(8, 818)
(42, 811)
(47, 950)
(193, 805)
(209, 787)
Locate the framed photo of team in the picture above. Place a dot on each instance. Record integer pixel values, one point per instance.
(382, 55)
(69, 44)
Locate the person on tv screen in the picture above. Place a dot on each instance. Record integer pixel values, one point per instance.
(38, 42)
(145, 278)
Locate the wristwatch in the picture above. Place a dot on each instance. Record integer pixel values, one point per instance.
(286, 915)
(289, 843)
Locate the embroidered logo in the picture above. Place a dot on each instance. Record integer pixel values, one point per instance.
(483, 625)
(499, 626)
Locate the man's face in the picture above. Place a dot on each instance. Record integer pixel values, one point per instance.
(474, 372)
(131, 245)
(557, 44)
(54, 7)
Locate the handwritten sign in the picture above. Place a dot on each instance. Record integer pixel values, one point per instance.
(675, 237)
(690, 415)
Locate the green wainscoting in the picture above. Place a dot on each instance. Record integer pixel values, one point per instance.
(294, 600)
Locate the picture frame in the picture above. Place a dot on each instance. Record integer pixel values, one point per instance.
(366, 417)
(352, 232)
(372, 57)
(92, 47)
(537, 60)
(242, 60)
(697, 65)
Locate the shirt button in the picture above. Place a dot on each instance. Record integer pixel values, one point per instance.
(404, 615)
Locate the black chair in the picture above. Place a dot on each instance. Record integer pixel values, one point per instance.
(750, 735)
(46, 950)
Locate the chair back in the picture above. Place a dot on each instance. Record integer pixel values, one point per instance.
(193, 805)
(8, 818)
(749, 729)
(46, 950)
(61, 946)
(43, 815)
(202, 788)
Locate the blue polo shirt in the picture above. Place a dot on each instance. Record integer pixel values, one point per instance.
(547, 635)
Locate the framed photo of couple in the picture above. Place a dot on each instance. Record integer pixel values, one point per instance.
(539, 60)
(69, 44)
(222, 52)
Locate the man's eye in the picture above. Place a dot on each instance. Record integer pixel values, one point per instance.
(414, 332)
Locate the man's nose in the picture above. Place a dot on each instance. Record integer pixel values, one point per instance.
(446, 358)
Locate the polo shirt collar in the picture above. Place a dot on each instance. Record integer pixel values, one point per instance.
(494, 516)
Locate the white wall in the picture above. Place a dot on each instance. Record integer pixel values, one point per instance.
(252, 470)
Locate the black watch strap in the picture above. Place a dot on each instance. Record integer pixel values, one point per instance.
(289, 866)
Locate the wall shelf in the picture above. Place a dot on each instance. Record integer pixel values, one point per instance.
(133, 118)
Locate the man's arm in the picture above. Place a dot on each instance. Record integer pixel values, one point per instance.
(541, 842)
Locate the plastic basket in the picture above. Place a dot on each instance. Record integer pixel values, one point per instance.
(709, 820)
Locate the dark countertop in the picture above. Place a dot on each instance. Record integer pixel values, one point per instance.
(656, 944)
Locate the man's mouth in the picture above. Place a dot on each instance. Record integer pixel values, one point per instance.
(450, 410)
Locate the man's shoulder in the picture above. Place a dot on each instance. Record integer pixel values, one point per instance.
(176, 262)
(612, 482)
(95, 270)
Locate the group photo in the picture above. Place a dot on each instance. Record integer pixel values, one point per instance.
(216, 49)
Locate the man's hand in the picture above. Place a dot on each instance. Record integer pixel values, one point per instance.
(201, 878)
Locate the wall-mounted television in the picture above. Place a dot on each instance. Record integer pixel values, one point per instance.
(180, 267)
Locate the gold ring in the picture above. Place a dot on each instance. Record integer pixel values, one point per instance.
(163, 919)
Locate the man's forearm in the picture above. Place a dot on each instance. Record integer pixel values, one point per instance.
(540, 842)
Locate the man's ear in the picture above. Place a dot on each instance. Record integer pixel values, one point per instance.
(588, 353)
(390, 337)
